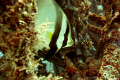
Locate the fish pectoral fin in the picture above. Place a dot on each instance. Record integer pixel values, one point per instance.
(49, 35)
(50, 53)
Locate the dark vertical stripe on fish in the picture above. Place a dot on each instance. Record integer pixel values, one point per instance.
(66, 35)
(58, 23)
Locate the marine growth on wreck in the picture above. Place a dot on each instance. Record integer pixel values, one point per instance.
(59, 39)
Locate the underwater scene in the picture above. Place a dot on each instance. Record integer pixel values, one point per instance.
(59, 39)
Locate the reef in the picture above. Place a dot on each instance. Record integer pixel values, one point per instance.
(18, 40)
(94, 55)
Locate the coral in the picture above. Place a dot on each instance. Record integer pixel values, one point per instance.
(18, 40)
(70, 71)
(50, 77)
(97, 34)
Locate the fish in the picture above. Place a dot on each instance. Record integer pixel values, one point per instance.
(61, 35)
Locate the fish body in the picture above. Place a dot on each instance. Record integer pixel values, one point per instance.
(60, 36)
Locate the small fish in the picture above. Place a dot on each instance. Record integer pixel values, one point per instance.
(61, 36)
